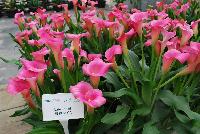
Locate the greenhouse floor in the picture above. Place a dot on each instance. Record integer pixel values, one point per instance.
(9, 104)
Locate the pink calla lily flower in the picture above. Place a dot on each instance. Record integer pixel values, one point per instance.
(137, 19)
(187, 33)
(172, 55)
(68, 54)
(66, 13)
(16, 86)
(93, 98)
(83, 54)
(95, 69)
(76, 43)
(194, 26)
(56, 45)
(34, 43)
(194, 59)
(31, 78)
(91, 57)
(167, 35)
(33, 25)
(111, 52)
(20, 36)
(156, 28)
(19, 20)
(37, 67)
(57, 21)
(34, 66)
(39, 55)
(123, 40)
(41, 16)
(57, 72)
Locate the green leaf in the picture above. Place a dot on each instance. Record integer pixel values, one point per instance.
(129, 129)
(149, 128)
(12, 36)
(179, 103)
(135, 61)
(112, 78)
(21, 112)
(100, 128)
(34, 121)
(45, 131)
(196, 127)
(67, 79)
(122, 92)
(180, 128)
(160, 111)
(182, 118)
(135, 65)
(147, 87)
(13, 61)
(146, 67)
(143, 111)
(118, 116)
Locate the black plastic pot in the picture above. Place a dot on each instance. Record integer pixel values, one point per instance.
(1, 14)
(70, 5)
(11, 13)
(56, 8)
(101, 4)
(33, 9)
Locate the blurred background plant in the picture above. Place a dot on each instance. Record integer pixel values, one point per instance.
(10, 7)
(22, 5)
(34, 5)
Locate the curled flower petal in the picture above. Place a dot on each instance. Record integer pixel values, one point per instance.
(96, 68)
(68, 54)
(39, 55)
(111, 52)
(34, 66)
(91, 57)
(16, 85)
(85, 93)
(170, 56)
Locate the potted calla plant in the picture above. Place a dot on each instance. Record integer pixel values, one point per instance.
(135, 72)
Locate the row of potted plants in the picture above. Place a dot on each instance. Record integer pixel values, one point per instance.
(10, 7)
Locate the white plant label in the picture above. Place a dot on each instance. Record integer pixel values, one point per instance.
(62, 106)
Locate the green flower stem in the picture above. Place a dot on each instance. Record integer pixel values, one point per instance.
(152, 61)
(170, 80)
(76, 13)
(195, 82)
(181, 88)
(158, 65)
(162, 85)
(189, 80)
(91, 123)
(143, 58)
(132, 72)
(63, 81)
(121, 77)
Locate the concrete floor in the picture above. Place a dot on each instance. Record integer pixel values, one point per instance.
(9, 104)
(11, 125)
